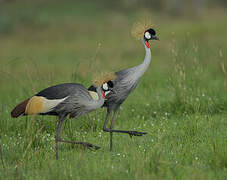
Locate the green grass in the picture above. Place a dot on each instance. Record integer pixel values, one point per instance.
(181, 101)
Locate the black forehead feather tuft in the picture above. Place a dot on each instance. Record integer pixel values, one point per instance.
(110, 84)
(92, 88)
(151, 31)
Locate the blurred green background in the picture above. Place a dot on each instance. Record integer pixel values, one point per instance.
(181, 100)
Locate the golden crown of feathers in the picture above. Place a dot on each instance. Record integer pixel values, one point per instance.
(104, 78)
(139, 28)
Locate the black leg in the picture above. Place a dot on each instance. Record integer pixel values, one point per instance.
(88, 145)
(58, 132)
(130, 133)
(58, 138)
(106, 129)
(111, 130)
(106, 121)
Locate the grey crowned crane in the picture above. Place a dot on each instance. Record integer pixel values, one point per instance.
(65, 99)
(125, 82)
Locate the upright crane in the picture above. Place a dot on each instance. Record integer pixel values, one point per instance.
(125, 82)
(66, 99)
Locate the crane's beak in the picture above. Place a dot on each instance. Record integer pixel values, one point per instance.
(155, 38)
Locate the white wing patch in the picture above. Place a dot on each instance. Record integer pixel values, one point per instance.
(39, 104)
(48, 104)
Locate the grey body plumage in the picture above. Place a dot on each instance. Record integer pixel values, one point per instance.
(80, 102)
(62, 100)
(77, 101)
(126, 81)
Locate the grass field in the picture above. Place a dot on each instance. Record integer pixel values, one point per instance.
(181, 101)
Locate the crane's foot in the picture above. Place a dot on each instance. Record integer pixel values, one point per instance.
(136, 133)
(85, 144)
(90, 146)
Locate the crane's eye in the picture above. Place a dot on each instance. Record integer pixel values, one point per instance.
(147, 35)
(105, 86)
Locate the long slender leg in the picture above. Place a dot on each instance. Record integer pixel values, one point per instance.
(106, 121)
(58, 132)
(111, 127)
(58, 138)
(131, 133)
(88, 145)
(111, 130)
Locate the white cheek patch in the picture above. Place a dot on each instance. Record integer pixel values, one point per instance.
(105, 86)
(147, 35)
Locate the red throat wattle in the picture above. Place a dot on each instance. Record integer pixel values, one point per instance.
(103, 95)
(147, 44)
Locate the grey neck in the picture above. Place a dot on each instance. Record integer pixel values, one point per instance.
(146, 62)
(95, 104)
